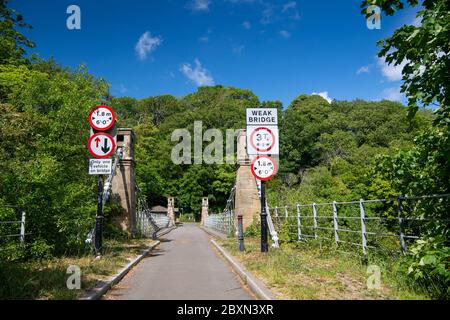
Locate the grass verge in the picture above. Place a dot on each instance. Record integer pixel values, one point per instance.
(312, 272)
(46, 280)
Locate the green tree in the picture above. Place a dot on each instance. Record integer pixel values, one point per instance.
(424, 49)
(13, 44)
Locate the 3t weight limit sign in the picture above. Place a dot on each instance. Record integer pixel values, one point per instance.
(264, 168)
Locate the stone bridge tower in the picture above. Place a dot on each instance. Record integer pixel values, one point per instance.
(247, 202)
(171, 210)
(205, 208)
(124, 183)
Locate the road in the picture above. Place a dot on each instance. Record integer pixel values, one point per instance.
(184, 266)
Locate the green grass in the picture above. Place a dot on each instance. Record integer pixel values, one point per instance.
(47, 279)
(318, 272)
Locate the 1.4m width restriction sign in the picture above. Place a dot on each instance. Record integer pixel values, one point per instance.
(264, 168)
(102, 118)
(101, 145)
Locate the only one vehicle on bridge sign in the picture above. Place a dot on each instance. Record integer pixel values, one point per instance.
(101, 145)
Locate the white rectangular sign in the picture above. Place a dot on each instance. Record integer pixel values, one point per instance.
(100, 166)
(262, 116)
(263, 140)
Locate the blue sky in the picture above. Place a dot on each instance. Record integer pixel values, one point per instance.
(277, 49)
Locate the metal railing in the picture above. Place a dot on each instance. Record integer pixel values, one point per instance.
(11, 230)
(381, 224)
(148, 223)
(224, 222)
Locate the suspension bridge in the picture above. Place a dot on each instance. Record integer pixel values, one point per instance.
(186, 266)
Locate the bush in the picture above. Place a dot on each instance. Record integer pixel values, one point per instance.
(430, 266)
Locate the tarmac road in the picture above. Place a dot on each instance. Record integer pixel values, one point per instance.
(183, 267)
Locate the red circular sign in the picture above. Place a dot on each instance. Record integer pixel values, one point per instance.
(101, 145)
(264, 168)
(270, 144)
(102, 118)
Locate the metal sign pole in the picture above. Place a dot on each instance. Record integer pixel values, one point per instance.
(99, 219)
(264, 244)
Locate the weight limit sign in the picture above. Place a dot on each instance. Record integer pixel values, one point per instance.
(262, 139)
(264, 168)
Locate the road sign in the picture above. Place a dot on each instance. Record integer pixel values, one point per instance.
(262, 140)
(264, 168)
(100, 166)
(262, 116)
(102, 118)
(101, 145)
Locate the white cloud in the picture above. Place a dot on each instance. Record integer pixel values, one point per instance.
(390, 71)
(364, 69)
(238, 49)
(247, 25)
(417, 22)
(123, 89)
(204, 39)
(146, 45)
(267, 14)
(285, 34)
(289, 5)
(199, 75)
(323, 95)
(392, 94)
(199, 5)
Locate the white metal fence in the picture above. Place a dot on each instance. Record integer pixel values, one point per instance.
(224, 222)
(12, 230)
(382, 224)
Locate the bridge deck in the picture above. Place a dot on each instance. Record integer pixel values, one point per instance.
(183, 267)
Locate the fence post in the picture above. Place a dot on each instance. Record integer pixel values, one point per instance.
(276, 212)
(286, 212)
(335, 223)
(299, 223)
(22, 228)
(315, 220)
(363, 226)
(241, 233)
(400, 222)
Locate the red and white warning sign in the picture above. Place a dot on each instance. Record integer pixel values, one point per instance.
(264, 168)
(101, 145)
(102, 118)
(262, 140)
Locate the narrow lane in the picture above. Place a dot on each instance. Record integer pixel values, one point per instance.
(183, 267)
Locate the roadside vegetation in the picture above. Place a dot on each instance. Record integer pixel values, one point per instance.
(318, 272)
(343, 150)
(46, 279)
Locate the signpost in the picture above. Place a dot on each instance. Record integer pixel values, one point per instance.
(263, 142)
(101, 145)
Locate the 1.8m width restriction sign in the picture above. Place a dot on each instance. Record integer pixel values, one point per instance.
(102, 118)
(264, 168)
